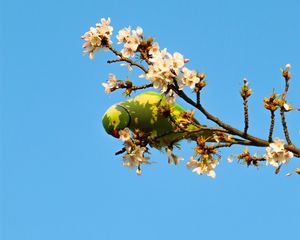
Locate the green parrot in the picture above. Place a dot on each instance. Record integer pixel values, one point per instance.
(143, 112)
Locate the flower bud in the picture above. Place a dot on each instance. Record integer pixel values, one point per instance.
(138, 171)
(202, 76)
(128, 83)
(128, 91)
(150, 40)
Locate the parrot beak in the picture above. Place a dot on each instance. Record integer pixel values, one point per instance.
(115, 133)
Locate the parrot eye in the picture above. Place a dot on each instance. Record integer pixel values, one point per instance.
(115, 133)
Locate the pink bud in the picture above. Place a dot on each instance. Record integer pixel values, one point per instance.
(186, 60)
(288, 67)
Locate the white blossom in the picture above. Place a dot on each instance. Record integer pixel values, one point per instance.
(160, 74)
(124, 134)
(170, 96)
(139, 31)
(164, 68)
(123, 35)
(277, 145)
(277, 154)
(192, 163)
(111, 83)
(211, 174)
(164, 53)
(159, 56)
(172, 158)
(230, 158)
(105, 23)
(189, 77)
(203, 167)
(131, 40)
(288, 67)
(128, 65)
(154, 50)
(178, 60)
(97, 37)
(127, 52)
(135, 158)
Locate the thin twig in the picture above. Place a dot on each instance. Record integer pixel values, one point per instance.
(130, 88)
(286, 88)
(285, 128)
(246, 115)
(271, 126)
(114, 60)
(134, 88)
(282, 114)
(211, 131)
(198, 97)
(259, 159)
(220, 145)
(122, 58)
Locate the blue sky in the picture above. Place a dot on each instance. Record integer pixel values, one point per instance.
(59, 178)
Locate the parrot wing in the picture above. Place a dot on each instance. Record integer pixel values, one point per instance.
(145, 115)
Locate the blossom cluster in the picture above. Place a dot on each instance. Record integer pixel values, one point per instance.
(134, 157)
(274, 102)
(135, 153)
(165, 68)
(276, 154)
(131, 40)
(205, 166)
(97, 37)
(111, 83)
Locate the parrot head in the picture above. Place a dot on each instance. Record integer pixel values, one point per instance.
(116, 118)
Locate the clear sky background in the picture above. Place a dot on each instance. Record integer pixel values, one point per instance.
(59, 178)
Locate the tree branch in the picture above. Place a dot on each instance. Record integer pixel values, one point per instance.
(256, 141)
